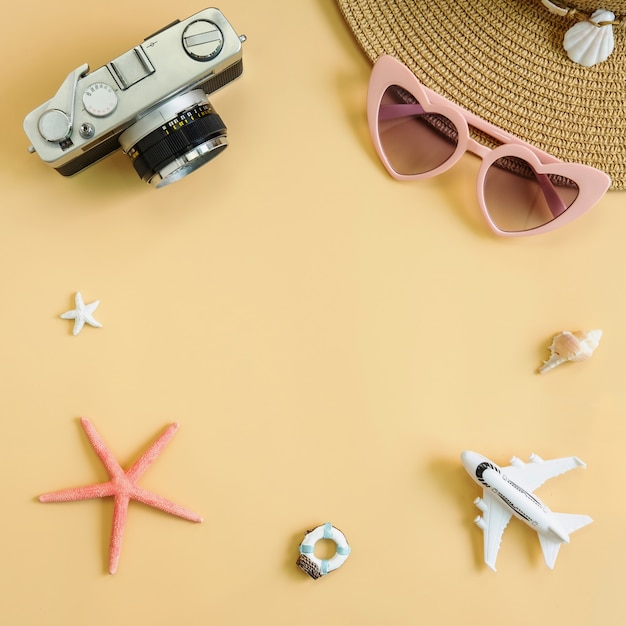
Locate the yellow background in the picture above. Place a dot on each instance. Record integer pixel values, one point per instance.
(329, 339)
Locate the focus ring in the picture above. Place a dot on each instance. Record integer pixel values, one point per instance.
(174, 139)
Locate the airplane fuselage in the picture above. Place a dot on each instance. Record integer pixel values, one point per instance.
(525, 506)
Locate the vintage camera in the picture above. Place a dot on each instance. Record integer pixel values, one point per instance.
(152, 101)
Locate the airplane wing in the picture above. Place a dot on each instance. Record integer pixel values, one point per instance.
(494, 520)
(550, 549)
(532, 475)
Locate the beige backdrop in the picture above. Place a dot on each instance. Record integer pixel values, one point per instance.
(329, 339)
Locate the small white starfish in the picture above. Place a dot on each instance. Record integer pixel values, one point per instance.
(83, 313)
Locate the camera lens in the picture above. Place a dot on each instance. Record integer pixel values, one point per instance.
(175, 139)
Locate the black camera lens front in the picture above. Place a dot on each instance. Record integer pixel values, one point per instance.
(169, 151)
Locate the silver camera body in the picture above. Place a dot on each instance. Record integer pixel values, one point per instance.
(152, 101)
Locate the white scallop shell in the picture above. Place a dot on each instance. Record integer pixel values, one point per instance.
(587, 44)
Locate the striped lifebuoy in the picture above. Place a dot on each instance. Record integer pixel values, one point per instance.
(314, 566)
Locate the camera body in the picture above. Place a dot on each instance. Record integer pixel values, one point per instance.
(151, 100)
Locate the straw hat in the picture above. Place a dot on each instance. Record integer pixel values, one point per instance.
(505, 61)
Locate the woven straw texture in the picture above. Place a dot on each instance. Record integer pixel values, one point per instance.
(504, 61)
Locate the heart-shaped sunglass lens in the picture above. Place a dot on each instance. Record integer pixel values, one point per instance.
(414, 141)
(519, 199)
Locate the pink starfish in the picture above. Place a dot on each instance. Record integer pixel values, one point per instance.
(123, 487)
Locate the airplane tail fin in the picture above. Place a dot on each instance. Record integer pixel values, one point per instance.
(568, 523)
(571, 523)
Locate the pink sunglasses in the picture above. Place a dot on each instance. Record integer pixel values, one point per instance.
(521, 189)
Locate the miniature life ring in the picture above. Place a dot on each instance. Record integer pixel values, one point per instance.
(314, 566)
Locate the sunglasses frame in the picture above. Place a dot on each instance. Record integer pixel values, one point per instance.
(388, 72)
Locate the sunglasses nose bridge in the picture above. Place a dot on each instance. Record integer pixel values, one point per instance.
(479, 149)
(480, 196)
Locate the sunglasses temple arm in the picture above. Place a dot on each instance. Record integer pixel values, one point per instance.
(557, 206)
(394, 111)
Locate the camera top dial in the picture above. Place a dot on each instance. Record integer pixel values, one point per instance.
(202, 40)
(99, 99)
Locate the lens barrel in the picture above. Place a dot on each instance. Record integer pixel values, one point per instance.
(175, 139)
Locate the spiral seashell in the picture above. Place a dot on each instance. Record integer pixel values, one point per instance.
(567, 346)
(587, 43)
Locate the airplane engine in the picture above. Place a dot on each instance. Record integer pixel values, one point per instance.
(535, 458)
(480, 503)
(480, 522)
(517, 462)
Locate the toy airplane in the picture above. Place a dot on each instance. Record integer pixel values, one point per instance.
(508, 491)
